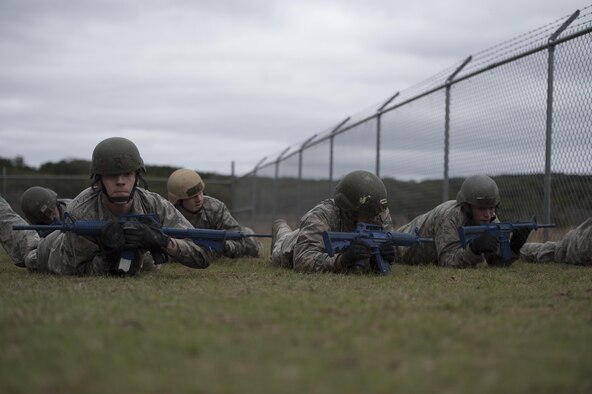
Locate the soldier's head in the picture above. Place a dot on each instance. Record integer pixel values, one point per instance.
(118, 167)
(185, 189)
(479, 197)
(362, 195)
(40, 205)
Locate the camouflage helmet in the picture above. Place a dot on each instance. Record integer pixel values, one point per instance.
(184, 183)
(115, 156)
(361, 191)
(38, 204)
(480, 191)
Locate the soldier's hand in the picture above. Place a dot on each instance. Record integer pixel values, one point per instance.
(518, 238)
(111, 241)
(141, 236)
(356, 251)
(486, 243)
(229, 249)
(387, 251)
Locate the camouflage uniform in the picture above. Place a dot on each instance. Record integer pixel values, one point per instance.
(17, 244)
(303, 249)
(574, 248)
(33, 261)
(214, 215)
(441, 224)
(70, 254)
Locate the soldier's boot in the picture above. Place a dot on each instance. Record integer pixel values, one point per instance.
(280, 227)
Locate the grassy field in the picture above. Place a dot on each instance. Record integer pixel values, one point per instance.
(242, 326)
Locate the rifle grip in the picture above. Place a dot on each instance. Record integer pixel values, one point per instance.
(381, 266)
(506, 251)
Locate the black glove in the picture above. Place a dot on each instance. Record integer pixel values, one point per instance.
(486, 243)
(357, 251)
(387, 251)
(111, 241)
(518, 238)
(141, 236)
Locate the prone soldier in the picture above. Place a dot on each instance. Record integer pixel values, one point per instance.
(360, 196)
(116, 172)
(186, 191)
(475, 204)
(41, 206)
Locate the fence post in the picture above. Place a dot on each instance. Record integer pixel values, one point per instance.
(254, 189)
(233, 198)
(549, 122)
(378, 117)
(332, 139)
(275, 182)
(299, 191)
(445, 181)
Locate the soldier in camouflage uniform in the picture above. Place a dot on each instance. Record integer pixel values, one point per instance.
(475, 204)
(359, 197)
(186, 192)
(116, 171)
(17, 244)
(574, 248)
(40, 206)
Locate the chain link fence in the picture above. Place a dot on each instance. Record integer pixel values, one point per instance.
(518, 112)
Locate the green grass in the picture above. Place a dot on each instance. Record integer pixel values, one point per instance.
(246, 327)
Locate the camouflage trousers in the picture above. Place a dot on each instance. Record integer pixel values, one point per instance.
(17, 244)
(282, 244)
(574, 248)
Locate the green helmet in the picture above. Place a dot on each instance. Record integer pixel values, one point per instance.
(115, 156)
(38, 205)
(361, 191)
(480, 191)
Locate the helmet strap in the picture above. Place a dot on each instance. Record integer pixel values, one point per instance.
(122, 199)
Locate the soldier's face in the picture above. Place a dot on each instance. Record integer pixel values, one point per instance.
(482, 215)
(55, 215)
(119, 185)
(194, 204)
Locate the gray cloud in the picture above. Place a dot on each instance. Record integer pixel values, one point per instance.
(203, 83)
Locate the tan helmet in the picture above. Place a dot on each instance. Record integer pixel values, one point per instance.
(480, 191)
(184, 183)
(361, 191)
(38, 204)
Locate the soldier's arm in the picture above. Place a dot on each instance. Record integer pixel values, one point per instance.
(184, 251)
(309, 251)
(71, 254)
(450, 253)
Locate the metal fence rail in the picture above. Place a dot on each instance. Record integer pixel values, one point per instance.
(519, 112)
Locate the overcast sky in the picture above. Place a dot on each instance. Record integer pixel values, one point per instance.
(200, 84)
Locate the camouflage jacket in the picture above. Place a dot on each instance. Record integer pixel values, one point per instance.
(17, 244)
(574, 248)
(305, 246)
(214, 215)
(71, 254)
(441, 224)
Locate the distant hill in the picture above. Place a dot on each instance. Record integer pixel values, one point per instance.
(521, 194)
(70, 176)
